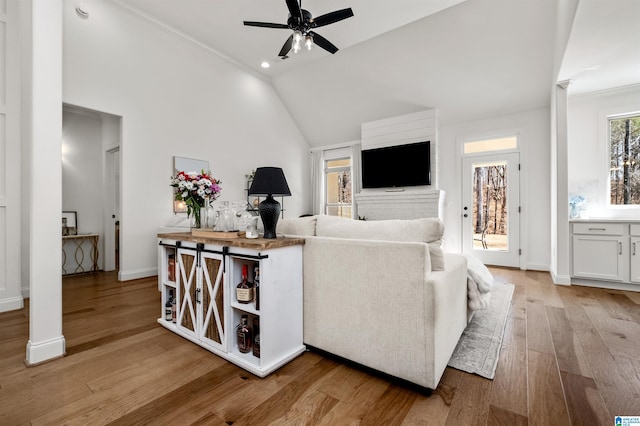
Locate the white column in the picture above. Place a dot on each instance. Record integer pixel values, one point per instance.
(45, 213)
(560, 194)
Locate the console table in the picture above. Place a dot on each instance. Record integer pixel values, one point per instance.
(79, 253)
(200, 275)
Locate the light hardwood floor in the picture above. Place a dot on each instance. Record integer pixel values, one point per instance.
(571, 355)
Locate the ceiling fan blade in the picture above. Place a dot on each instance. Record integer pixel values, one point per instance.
(265, 24)
(323, 42)
(331, 17)
(286, 47)
(294, 9)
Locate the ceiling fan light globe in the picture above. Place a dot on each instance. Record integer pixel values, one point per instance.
(308, 42)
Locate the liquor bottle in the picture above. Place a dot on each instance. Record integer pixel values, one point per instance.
(168, 308)
(171, 267)
(244, 335)
(256, 286)
(173, 310)
(256, 337)
(244, 290)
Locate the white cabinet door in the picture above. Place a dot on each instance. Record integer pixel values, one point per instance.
(210, 300)
(599, 256)
(635, 259)
(187, 284)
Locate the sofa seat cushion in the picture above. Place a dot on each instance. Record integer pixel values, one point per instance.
(426, 230)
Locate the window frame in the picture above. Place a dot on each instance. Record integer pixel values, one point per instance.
(336, 155)
(606, 136)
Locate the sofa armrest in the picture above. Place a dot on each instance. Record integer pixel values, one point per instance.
(450, 308)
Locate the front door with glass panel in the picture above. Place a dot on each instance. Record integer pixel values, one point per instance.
(490, 208)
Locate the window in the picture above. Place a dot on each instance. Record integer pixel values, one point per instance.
(486, 145)
(338, 198)
(624, 150)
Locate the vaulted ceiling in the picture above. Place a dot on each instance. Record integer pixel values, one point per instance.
(470, 59)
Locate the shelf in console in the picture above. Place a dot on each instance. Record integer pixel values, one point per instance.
(249, 308)
(171, 284)
(248, 357)
(167, 324)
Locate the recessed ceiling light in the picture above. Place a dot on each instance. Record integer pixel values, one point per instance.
(265, 64)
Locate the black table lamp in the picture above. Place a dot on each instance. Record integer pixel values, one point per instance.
(269, 181)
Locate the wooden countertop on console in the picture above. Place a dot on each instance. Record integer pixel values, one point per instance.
(250, 243)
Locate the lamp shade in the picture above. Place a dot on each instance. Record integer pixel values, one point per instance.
(269, 181)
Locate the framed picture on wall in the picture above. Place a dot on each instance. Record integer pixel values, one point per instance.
(69, 223)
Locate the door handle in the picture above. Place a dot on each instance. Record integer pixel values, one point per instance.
(197, 295)
(634, 249)
(465, 215)
(620, 247)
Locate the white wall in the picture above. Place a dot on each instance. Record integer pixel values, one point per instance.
(82, 179)
(10, 187)
(175, 98)
(532, 128)
(588, 153)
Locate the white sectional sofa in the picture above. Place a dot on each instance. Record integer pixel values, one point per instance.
(382, 293)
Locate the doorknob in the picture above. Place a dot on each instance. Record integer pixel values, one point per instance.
(466, 208)
(465, 215)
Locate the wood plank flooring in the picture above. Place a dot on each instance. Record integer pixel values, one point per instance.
(570, 356)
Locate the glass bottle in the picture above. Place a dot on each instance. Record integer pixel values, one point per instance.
(173, 309)
(256, 286)
(168, 308)
(244, 335)
(256, 337)
(244, 290)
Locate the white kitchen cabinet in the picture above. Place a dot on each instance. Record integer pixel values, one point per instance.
(635, 253)
(607, 251)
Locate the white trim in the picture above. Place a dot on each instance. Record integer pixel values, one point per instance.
(45, 350)
(560, 279)
(606, 284)
(537, 267)
(336, 146)
(11, 304)
(604, 141)
(137, 274)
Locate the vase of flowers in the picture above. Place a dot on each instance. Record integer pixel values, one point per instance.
(196, 190)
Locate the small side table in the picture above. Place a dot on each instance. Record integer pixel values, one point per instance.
(79, 253)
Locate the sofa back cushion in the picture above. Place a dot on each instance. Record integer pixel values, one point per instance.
(426, 230)
(303, 226)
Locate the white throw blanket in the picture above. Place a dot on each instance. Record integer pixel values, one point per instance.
(479, 282)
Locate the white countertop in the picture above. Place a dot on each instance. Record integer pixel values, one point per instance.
(606, 219)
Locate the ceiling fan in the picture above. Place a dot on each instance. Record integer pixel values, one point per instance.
(302, 23)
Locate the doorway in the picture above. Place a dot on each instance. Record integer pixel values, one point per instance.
(491, 211)
(112, 210)
(91, 159)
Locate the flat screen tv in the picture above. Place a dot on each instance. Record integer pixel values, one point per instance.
(397, 166)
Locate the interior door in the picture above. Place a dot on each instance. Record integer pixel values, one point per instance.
(491, 211)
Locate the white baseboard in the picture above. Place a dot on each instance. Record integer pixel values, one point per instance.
(44, 351)
(26, 292)
(537, 267)
(137, 274)
(11, 304)
(560, 279)
(606, 284)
